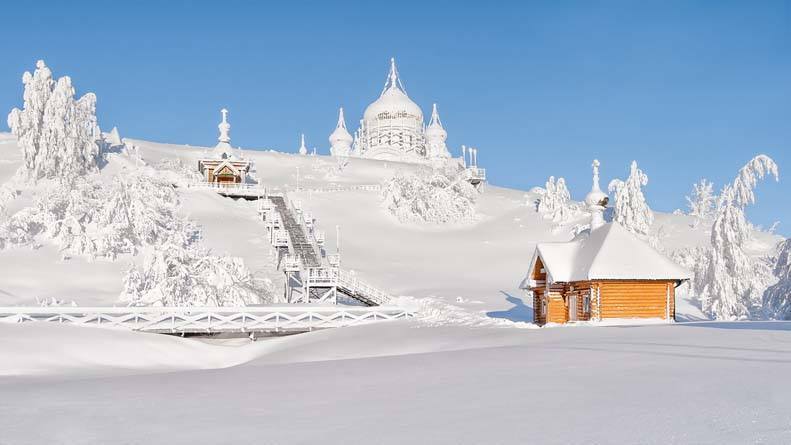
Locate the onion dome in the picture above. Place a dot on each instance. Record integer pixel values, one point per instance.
(341, 137)
(596, 197)
(393, 103)
(435, 130)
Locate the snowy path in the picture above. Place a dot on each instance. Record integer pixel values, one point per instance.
(707, 383)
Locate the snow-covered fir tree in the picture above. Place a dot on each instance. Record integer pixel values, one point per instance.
(555, 201)
(702, 201)
(436, 197)
(728, 282)
(178, 275)
(777, 298)
(631, 209)
(57, 133)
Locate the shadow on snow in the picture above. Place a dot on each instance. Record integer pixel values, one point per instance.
(520, 311)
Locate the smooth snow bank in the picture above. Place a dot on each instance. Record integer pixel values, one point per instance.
(694, 383)
(35, 349)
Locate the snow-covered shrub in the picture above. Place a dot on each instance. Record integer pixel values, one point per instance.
(730, 283)
(777, 298)
(555, 202)
(437, 198)
(57, 133)
(178, 275)
(631, 209)
(701, 201)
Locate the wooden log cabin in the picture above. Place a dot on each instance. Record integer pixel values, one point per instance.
(604, 273)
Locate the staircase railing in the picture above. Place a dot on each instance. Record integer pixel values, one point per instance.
(362, 289)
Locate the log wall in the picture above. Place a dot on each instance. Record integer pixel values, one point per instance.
(636, 299)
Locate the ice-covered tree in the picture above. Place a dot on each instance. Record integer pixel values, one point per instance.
(436, 197)
(93, 219)
(631, 209)
(175, 275)
(777, 298)
(730, 283)
(702, 201)
(555, 201)
(57, 133)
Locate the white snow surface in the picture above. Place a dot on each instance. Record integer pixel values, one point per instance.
(471, 369)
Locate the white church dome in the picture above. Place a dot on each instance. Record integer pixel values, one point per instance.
(393, 103)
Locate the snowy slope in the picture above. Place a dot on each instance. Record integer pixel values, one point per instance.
(482, 261)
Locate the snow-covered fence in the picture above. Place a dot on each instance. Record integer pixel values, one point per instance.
(231, 189)
(343, 188)
(205, 320)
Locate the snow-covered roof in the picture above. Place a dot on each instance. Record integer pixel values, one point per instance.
(608, 253)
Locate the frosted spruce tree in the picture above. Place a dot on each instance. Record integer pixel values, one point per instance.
(555, 201)
(57, 133)
(436, 196)
(631, 209)
(729, 283)
(702, 201)
(777, 298)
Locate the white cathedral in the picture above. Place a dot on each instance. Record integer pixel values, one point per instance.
(392, 129)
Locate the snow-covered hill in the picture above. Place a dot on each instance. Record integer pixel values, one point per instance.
(478, 264)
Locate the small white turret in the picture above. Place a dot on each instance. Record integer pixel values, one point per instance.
(223, 148)
(340, 139)
(596, 200)
(436, 137)
(303, 150)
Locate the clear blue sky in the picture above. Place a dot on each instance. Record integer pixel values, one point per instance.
(688, 89)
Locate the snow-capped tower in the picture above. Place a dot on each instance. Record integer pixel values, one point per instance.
(340, 139)
(596, 200)
(224, 145)
(436, 137)
(302, 149)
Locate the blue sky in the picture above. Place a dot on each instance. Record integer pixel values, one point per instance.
(688, 89)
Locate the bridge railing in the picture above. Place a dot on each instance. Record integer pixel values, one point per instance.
(198, 320)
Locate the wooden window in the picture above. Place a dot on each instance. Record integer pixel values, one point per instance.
(586, 303)
(544, 306)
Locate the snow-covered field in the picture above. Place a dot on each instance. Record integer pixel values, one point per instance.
(471, 369)
(403, 383)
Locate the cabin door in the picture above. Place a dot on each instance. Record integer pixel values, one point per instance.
(572, 308)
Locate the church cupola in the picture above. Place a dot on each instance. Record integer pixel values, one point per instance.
(340, 139)
(303, 150)
(436, 136)
(596, 200)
